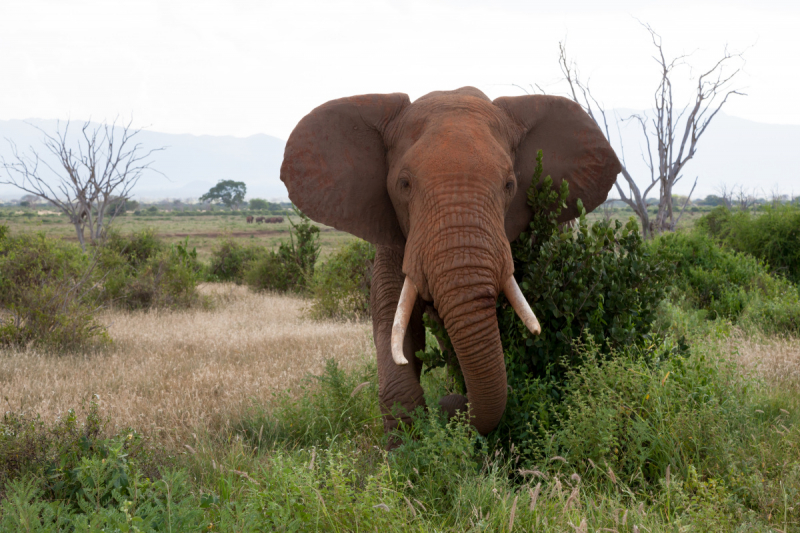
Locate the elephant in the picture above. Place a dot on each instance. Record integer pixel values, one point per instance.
(250, 219)
(439, 186)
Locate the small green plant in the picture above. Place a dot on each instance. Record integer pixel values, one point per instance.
(230, 260)
(341, 285)
(332, 405)
(291, 267)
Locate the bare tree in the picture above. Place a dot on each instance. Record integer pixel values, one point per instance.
(88, 180)
(737, 196)
(674, 132)
(726, 193)
(744, 198)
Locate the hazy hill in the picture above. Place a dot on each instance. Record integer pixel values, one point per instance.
(733, 151)
(191, 164)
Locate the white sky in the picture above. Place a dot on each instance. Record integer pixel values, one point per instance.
(240, 67)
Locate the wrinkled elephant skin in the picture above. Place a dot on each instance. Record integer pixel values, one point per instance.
(439, 186)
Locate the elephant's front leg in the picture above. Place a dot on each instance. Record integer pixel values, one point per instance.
(399, 389)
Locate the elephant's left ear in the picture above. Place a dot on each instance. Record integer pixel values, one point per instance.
(574, 150)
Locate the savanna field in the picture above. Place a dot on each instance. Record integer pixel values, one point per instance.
(201, 373)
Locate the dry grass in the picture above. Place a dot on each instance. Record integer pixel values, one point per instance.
(171, 373)
(776, 359)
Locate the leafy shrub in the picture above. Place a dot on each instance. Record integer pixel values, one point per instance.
(168, 280)
(727, 284)
(341, 285)
(694, 414)
(230, 260)
(46, 294)
(779, 314)
(599, 282)
(291, 268)
(29, 447)
(135, 248)
(141, 272)
(772, 235)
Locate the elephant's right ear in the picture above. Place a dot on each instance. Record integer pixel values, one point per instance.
(335, 169)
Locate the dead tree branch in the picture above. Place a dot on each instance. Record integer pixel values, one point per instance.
(88, 174)
(675, 131)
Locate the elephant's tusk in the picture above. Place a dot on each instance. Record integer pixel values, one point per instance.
(520, 305)
(408, 297)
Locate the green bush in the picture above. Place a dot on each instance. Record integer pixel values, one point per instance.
(230, 260)
(135, 248)
(695, 414)
(47, 294)
(779, 314)
(772, 234)
(341, 285)
(729, 285)
(599, 282)
(140, 271)
(55, 451)
(291, 267)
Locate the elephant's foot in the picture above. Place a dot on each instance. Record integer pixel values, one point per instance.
(452, 403)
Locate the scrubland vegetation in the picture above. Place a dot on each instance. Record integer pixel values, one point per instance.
(663, 394)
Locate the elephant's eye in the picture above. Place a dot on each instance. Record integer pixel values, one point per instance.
(510, 185)
(403, 184)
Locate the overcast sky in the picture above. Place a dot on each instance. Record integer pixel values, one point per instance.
(239, 67)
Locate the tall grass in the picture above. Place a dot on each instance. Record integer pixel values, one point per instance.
(170, 372)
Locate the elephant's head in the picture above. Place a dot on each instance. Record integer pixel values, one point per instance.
(445, 179)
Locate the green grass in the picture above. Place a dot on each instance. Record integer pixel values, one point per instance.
(685, 444)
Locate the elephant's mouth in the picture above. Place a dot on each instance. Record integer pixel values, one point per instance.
(408, 297)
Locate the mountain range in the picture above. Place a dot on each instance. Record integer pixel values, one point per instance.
(735, 152)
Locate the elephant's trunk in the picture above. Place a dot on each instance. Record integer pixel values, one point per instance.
(458, 257)
(470, 318)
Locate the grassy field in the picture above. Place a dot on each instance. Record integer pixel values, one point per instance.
(201, 385)
(171, 373)
(203, 231)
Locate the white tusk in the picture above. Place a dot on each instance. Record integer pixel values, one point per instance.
(408, 297)
(520, 305)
